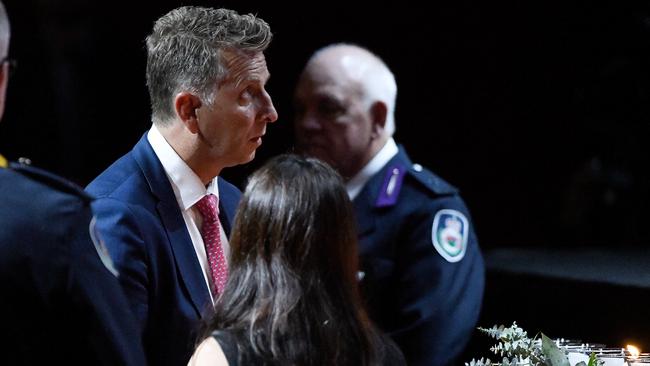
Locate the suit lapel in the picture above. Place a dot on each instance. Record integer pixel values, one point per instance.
(185, 255)
(227, 205)
(172, 220)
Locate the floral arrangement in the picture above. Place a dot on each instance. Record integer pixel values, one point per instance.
(517, 349)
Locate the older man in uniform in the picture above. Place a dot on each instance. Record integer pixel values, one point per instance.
(423, 273)
(61, 301)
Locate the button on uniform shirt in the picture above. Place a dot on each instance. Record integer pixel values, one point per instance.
(188, 190)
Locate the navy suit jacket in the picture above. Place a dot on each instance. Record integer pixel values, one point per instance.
(60, 302)
(142, 226)
(428, 304)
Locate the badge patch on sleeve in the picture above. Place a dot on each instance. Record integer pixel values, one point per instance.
(449, 234)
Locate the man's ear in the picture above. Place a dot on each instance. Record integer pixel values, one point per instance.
(378, 113)
(186, 105)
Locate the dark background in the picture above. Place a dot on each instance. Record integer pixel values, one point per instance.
(538, 111)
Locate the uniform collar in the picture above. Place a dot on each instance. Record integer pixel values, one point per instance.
(356, 184)
(187, 186)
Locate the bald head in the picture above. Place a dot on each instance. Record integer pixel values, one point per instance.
(372, 77)
(344, 104)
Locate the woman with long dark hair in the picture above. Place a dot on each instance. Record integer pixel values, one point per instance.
(292, 294)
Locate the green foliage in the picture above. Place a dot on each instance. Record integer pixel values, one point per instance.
(517, 349)
(554, 355)
(481, 362)
(593, 360)
(514, 346)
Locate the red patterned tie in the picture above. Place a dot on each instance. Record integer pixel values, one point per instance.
(208, 206)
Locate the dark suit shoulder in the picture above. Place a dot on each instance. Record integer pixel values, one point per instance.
(117, 175)
(51, 181)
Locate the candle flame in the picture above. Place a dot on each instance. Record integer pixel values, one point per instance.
(634, 351)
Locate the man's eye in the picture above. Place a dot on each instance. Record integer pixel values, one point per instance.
(245, 97)
(330, 109)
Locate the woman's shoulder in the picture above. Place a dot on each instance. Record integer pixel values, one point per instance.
(228, 341)
(209, 353)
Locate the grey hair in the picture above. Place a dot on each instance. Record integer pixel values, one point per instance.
(184, 53)
(375, 78)
(5, 31)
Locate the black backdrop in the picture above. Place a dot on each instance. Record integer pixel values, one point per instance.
(537, 111)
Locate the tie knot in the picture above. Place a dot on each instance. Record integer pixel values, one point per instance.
(208, 206)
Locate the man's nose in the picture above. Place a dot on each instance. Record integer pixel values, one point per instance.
(308, 122)
(270, 114)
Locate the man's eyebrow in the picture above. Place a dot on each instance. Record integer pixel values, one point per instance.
(254, 79)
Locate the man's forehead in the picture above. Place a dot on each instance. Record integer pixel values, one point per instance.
(327, 91)
(324, 83)
(245, 67)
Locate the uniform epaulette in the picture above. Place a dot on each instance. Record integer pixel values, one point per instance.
(394, 177)
(391, 185)
(51, 180)
(431, 181)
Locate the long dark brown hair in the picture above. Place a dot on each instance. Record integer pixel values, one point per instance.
(292, 293)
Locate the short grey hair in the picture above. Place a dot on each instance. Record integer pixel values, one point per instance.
(376, 80)
(184, 52)
(5, 31)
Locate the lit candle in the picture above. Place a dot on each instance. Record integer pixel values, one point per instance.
(636, 358)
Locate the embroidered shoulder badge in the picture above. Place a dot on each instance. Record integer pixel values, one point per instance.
(449, 234)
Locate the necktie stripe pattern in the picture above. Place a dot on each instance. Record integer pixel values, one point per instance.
(208, 206)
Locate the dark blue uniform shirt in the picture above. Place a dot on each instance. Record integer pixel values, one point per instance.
(60, 303)
(422, 270)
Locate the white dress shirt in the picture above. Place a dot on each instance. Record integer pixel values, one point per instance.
(356, 184)
(188, 190)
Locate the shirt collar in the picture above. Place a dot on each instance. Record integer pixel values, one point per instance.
(354, 185)
(187, 186)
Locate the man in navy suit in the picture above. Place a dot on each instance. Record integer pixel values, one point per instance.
(422, 271)
(61, 301)
(206, 75)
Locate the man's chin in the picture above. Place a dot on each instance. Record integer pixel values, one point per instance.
(315, 152)
(248, 158)
(323, 158)
(241, 160)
